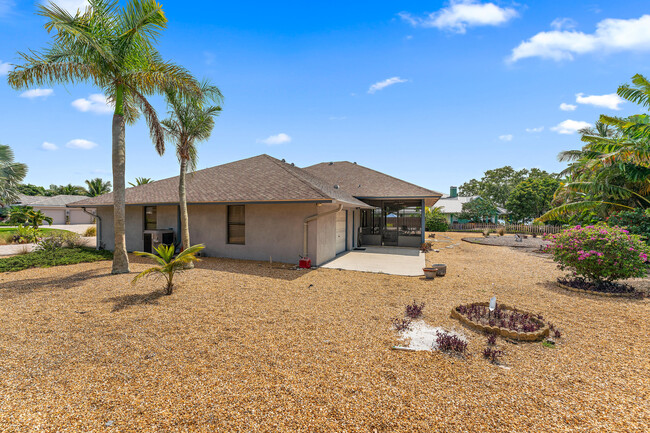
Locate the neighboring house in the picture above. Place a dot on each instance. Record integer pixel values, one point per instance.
(451, 206)
(55, 207)
(262, 208)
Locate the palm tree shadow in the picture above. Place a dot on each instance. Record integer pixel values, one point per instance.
(125, 301)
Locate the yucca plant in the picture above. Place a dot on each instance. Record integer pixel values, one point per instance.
(168, 264)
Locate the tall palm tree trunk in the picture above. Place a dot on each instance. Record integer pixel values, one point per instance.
(182, 199)
(120, 257)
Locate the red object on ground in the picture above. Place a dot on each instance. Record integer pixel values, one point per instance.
(304, 263)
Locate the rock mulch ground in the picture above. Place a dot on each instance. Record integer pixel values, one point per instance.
(241, 346)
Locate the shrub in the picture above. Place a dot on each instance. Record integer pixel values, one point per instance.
(486, 233)
(402, 324)
(90, 231)
(492, 355)
(414, 310)
(25, 234)
(600, 253)
(451, 343)
(501, 231)
(60, 240)
(45, 259)
(435, 221)
(492, 339)
(636, 221)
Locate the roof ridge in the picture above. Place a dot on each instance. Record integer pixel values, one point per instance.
(281, 164)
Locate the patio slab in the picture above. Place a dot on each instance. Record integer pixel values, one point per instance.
(383, 260)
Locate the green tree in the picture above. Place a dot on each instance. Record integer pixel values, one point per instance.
(11, 174)
(478, 210)
(33, 218)
(141, 181)
(97, 187)
(111, 48)
(30, 189)
(190, 121)
(496, 185)
(68, 189)
(612, 170)
(435, 220)
(531, 198)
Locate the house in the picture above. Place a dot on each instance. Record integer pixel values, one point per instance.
(262, 208)
(451, 206)
(56, 208)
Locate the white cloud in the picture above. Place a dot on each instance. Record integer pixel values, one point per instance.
(563, 24)
(611, 101)
(96, 103)
(275, 140)
(6, 6)
(72, 6)
(461, 14)
(4, 68)
(387, 82)
(506, 137)
(37, 93)
(570, 126)
(49, 146)
(538, 129)
(80, 143)
(611, 35)
(567, 107)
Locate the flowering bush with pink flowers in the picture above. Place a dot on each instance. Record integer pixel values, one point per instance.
(600, 253)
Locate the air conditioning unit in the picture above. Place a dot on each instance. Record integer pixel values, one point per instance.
(154, 238)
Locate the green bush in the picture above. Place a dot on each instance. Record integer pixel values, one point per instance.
(600, 253)
(636, 221)
(90, 231)
(46, 259)
(435, 221)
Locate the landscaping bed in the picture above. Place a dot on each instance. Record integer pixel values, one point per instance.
(505, 321)
(605, 288)
(45, 259)
(508, 241)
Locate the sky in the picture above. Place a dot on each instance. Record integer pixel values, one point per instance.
(432, 92)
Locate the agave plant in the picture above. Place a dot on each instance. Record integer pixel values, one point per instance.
(168, 265)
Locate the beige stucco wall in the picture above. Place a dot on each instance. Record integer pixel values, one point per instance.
(272, 230)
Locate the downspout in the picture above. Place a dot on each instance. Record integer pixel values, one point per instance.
(312, 218)
(99, 226)
(423, 223)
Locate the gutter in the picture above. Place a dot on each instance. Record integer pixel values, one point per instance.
(313, 218)
(99, 227)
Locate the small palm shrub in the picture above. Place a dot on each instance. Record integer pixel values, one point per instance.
(168, 265)
(90, 231)
(600, 253)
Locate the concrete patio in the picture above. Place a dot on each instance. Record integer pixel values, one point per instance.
(383, 260)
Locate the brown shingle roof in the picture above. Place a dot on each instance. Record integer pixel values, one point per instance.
(257, 179)
(362, 182)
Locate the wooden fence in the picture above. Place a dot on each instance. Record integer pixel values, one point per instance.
(510, 228)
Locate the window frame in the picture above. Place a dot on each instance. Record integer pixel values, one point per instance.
(144, 216)
(229, 224)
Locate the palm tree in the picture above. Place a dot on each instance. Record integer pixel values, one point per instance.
(111, 48)
(97, 187)
(140, 181)
(190, 121)
(11, 174)
(168, 265)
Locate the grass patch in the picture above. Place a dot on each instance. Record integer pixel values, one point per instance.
(46, 259)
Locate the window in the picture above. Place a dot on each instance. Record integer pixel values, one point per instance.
(150, 218)
(236, 225)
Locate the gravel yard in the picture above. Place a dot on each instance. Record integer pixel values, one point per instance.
(508, 241)
(241, 346)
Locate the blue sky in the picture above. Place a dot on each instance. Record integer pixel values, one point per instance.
(431, 92)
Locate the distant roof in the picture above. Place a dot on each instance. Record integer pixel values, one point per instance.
(455, 204)
(45, 201)
(258, 179)
(363, 182)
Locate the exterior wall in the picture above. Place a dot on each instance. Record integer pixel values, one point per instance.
(326, 234)
(134, 227)
(272, 231)
(78, 216)
(167, 218)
